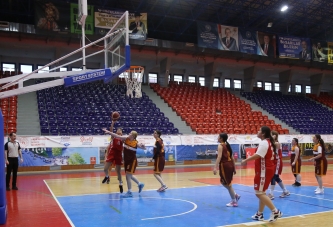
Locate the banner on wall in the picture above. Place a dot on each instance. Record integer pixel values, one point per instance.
(105, 20)
(207, 35)
(228, 38)
(266, 44)
(330, 52)
(319, 50)
(89, 25)
(294, 47)
(52, 16)
(57, 156)
(247, 41)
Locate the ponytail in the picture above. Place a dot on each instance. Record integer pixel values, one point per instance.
(229, 147)
(321, 142)
(266, 131)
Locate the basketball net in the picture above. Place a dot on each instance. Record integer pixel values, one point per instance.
(133, 77)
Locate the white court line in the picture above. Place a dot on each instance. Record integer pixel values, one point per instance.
(295, 194)
(261, 222)
(168, 216)
(111, 193)
(62, 209)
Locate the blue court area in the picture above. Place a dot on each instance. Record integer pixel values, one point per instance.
(197, 206)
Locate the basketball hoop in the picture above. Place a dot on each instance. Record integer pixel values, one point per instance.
(133, 77)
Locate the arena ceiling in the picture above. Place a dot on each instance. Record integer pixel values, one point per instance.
(175, 20)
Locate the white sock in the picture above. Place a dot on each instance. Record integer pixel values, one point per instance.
(298, 178)
(272, 189)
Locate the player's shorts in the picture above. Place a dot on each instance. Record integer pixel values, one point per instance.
(130, 165)
(226, 170)
(159, 164)
(321, 167)
(261, 183)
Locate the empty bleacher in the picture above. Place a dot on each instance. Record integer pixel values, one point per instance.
(85, 109)
(300, 113)
(213, 111)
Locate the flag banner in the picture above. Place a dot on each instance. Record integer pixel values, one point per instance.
(207, 35)
(228, 38)
(266, 44)
(247, 41)
(52, 17)
(319, 50)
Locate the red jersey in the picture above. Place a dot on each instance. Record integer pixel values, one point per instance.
(115, 149)
(264, 169)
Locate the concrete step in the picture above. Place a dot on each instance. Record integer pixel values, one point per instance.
(168, 112)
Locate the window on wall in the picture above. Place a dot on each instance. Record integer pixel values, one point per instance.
(63, 69)
(259, 84)
(237, 84)
(227, 83)
(276, 87)
(178, 78)
(202, 80)
(45, 70)
(289, 89)
(191, 79)
(268, 86)
(298, 88)
(26, 68)
(216, 82)
(8, 67)
(76, 69)
(308, 89)
(152, 78)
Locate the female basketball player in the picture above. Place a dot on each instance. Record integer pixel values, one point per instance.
(226, 164)
(278, 170)
(130, 160)
(159, 160)
(113, 157)
(320, 162)
(264, 172)
(296, 162)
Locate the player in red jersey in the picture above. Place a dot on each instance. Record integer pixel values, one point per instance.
(159, 160)
(320, 162)
(113, 158)
(130, 160)
(226, 164)
(264, 172)
(279, 165)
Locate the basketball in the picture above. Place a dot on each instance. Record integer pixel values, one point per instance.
(115, 116)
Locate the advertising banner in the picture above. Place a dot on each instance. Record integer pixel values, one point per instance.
(105, 20)
(330, 52)
(89, 25)
(294, 47)
(266, 44)
(247, 41)
(55, 156)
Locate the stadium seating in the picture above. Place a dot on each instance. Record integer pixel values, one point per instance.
(323, 98)
(299, 112)
(85, 109)
(213, 111)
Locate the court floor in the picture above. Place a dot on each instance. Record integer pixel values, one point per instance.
(194, 198)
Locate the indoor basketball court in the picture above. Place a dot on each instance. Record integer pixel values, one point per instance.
(195, 196)
(78, 198)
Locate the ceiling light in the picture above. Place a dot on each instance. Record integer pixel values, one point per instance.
(284, 8)
(270, 24)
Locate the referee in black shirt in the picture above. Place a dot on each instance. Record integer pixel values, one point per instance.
(12, 151)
